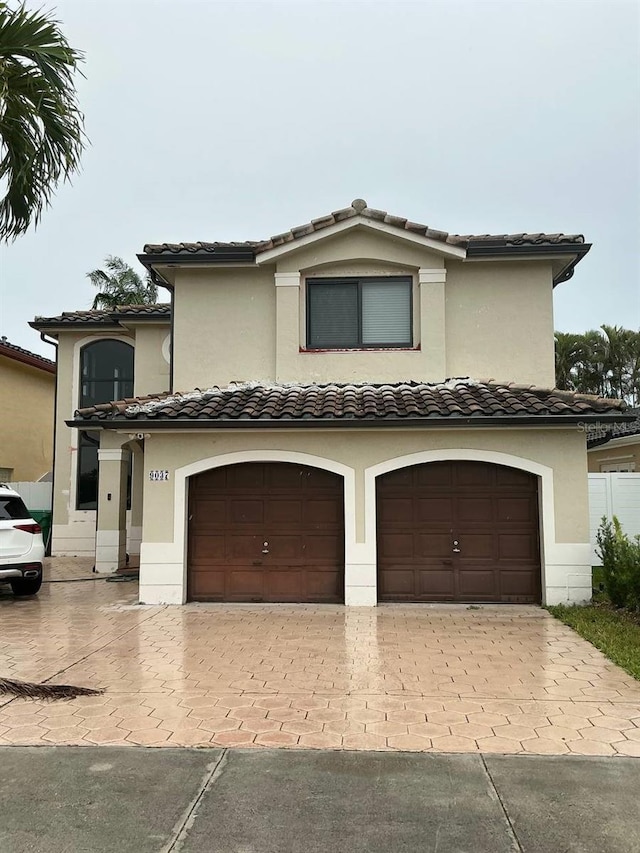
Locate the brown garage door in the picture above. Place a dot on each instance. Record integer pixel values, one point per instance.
(458, 531)
(268, 531)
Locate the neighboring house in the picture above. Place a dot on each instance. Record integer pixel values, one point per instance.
(615, 448)
(295, 432)
(27, 389)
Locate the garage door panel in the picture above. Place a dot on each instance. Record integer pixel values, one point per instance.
(478, 582)
(209, 513)
(321, 511)
(475, 509)
(284, 585)
(239, 547)
(285, 547)
(432, 544)
(435, 476)
(490, 510)
(514, 509)
(282, 511)
(517, 584)
(513, 477)
(472, 475)
(288, 478)
(433, 509)
(323, 586)
(214, 479)
(397, 545)
(395, 509)
(398, 581)
(477, 545)
(436, 583)
(209, 584)
(317, 479)
(518, 546)
(209, 547)
(401, 478)
(250, 476)
(245, 583)
(319, 548)
(246, 511)
(297, 510)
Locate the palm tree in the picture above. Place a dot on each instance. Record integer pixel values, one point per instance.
(568, 353)
(604, 361)
(121, 285)
(41, 127)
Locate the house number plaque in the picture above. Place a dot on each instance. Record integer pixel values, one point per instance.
(158, 476)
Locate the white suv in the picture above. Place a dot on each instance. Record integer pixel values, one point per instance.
(21, 545)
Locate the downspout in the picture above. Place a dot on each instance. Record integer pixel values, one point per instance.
(53, 343)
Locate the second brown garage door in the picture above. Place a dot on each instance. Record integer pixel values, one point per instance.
(458, 531)
(269, 531)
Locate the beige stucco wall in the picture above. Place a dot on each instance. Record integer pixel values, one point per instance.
(489, 320)
(224, 327)
(613, 453)
(74, 529)
(556, 456)
(560, 449)
(499, 321)
(360, 244)
(26, 426)
(151, 367)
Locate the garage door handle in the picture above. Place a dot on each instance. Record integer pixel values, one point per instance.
(447, 562)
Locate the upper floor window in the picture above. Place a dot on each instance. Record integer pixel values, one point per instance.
(106, 372)
(359, 313)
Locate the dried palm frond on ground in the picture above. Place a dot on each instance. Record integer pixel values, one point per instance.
(31, 690)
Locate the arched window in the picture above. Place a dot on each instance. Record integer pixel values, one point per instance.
(106, 373)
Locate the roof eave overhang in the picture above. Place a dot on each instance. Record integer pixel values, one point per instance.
(572, 252)
(28, 361)
(139, 424)
(73, 326)
(611, 442)
(215, 257)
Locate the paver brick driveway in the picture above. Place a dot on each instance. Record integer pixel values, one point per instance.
(430, 678)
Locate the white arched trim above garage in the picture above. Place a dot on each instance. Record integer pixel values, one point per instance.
(183, 474)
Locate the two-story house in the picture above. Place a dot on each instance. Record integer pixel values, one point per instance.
(296, 433)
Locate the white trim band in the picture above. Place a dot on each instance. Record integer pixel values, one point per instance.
(287, 279)
(108, 454)
(432, 276)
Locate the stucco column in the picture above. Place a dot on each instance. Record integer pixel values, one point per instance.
(137, 489)
(287, 322)
(111, 528)
(432, 321)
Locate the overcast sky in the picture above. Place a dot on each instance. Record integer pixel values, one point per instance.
(238, 120)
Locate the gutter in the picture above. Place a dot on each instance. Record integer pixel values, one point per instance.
(489, 249)
(136, 424)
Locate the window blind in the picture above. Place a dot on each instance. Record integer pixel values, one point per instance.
(386, 312)
(333, 315)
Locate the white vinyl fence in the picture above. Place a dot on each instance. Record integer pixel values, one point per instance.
(614, 494)
(35, 495)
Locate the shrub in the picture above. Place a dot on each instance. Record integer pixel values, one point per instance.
(620, 564)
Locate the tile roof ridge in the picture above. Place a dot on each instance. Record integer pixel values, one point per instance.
(360, 208)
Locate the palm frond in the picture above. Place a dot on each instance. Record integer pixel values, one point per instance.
(31, 690)
(41, 126)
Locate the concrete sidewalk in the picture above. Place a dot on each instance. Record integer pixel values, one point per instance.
(70, 800)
